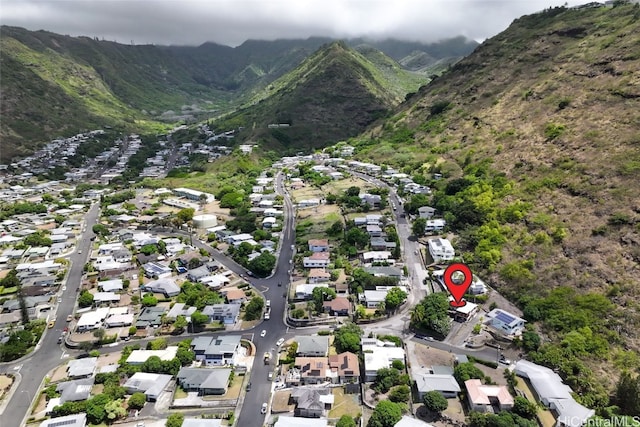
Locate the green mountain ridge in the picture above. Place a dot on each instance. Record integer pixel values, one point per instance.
(333, 94)
(86, 83)
(537, 133)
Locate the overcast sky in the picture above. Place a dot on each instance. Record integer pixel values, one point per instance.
(231, 22)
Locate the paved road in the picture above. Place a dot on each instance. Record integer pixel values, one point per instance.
(48, 354)
(250, 415)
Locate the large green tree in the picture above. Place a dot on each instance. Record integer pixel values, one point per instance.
(346, 421)
(347, 338)
(434, 401)
(386, 414)
(432, 313)
(395, 297)
(263, 264)
(320, 295)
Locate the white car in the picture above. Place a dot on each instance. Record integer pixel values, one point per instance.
(64, 288)
(263, 410)
(263, 333)
(279, 342)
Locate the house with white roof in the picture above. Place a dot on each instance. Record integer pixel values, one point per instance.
(92, 319)
(441, 250)
(138, 357)
(434, 225)
(505, 322)
(372, 299)
(149, 384)
(554, 394)
(378, 355)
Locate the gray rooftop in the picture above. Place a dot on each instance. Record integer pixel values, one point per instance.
(216, 345)
(312, 344)
(82, 367)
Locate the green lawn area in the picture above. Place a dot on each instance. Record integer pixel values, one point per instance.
(344, 404)
(180, 393)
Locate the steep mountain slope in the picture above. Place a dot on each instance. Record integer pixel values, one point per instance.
(538, 134)
(333, 94)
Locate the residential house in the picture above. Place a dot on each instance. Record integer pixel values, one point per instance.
(426, 212)
(150, 316)
(180, 309)
(316, 260)
(372, 299)
(92, 319)
(228, 314)
(318, 275)
(376, 256)
(75, 390)
(312, 345)
(339, 306)
(384, 271)
(204, 380)
(505, 322)
(380, 244)
(445, 384)
(347, 366)
(319, 245)
(313, 370)
(311, 402)
(100, 298)
(308, 203)
(157, 270)
(82, 368)
(75, 420)
(196, 274)
(138, 357)
(152, 385)
(304, 291)
(216, 351)
(441, 250)
(268, 222)
(378, 355)
(373, 200)
(167, 286)
(554, 394)
(234, 295)
(483, 398)
(434, 225)
(374, 230)
(113, 285)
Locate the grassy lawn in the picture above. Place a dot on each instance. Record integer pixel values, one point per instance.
(180, 393)
(344, 404)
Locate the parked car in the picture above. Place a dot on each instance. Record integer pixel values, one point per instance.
(270, 376)
(249, 387)
(51, 324)
(279, 342)
(70, 318)
(263, 410)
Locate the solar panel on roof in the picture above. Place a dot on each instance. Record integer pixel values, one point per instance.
(504, 317)
(62, 423)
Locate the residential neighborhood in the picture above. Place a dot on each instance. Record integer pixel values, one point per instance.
(171, 297)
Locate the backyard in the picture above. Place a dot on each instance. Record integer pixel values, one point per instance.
(345, 404)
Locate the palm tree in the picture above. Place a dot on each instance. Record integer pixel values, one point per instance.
(418, 315)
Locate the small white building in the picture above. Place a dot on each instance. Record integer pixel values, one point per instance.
(434, 225)
(441, 250)
(505, 322)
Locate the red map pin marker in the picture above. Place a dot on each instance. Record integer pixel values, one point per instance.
(457, 290)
